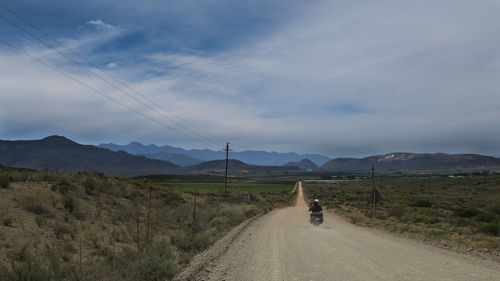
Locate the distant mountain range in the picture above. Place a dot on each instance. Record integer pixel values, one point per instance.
(62, 154)
(185, 157)
(413, 161)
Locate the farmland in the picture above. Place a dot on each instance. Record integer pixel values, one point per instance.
(238, 186)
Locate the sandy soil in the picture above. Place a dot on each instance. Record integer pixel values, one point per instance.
(282, 245)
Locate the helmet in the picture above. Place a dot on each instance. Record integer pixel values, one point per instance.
(316, 201)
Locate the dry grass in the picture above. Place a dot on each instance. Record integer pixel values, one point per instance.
(88, 226)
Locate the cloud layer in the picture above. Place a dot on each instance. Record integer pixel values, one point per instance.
(336, 78)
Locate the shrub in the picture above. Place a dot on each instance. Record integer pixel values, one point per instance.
(155, 263)
(152, 268)
(467, 212)
(89, 184)
(62, 187)
(416, 218)
(486, 217)
(491, 229)
(198, 242)
(70, 203)
(4, 180)
(61, 229)
(438, 232)
(251, 213)
(35, 205)
(31, 272)
(422, 203)
(171, 198)
(40, 220)
(397, 212)
(8, 221)
(495, 209)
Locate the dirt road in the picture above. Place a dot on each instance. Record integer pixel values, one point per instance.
(282, 245)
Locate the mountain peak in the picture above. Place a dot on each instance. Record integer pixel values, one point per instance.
(303, 164)
(56, 139)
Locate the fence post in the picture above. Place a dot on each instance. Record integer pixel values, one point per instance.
(148, 223)
(194, 212)
(80, 246)
(138, 235)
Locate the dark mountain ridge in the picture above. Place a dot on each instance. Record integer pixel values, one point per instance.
(413, 161)
(62, 154)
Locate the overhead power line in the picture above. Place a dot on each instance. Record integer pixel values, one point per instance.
(206, 140)
(103, 71)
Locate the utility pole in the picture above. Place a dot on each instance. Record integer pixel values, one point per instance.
(227, 158)
(374, 193)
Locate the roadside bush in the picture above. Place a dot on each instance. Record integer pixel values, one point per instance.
(416, 218)
(154, 264)
(397, 212)
(198, 242)
(491, 229)
(466, 212)
(495, 209)
(422, 204)
(219, 223)
(152, 267)
(486, 217)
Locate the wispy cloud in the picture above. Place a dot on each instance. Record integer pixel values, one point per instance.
(340, 78)
(99, 24)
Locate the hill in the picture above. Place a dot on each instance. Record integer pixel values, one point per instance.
(305, 164)
(251, 157)
(176, 158)
(88, 226)
(236, 167)
(62, 154)
(413, 161)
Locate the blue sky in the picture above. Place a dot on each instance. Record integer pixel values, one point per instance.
(332, 77)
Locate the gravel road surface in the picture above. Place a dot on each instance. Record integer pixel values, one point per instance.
(282, 245)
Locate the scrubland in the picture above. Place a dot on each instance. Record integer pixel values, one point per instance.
(88, 226)
(459, 213)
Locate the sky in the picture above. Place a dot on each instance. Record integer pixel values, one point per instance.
(339, 78)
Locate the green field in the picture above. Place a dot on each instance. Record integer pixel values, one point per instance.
(238, 186)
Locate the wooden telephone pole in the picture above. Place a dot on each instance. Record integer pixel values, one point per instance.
(227, 158)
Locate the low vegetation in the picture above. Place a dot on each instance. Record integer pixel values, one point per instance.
(462, 211)
(87, 226)
(241, 186)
